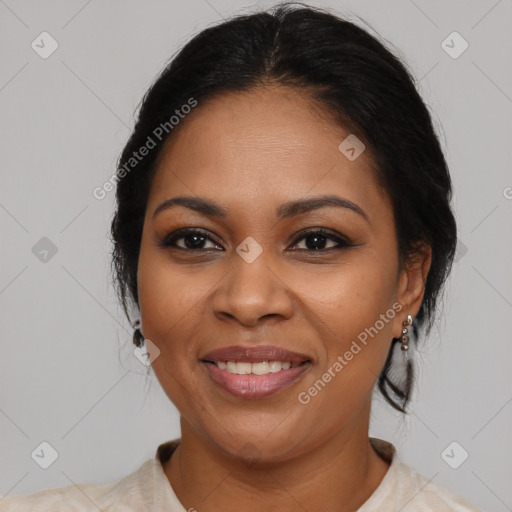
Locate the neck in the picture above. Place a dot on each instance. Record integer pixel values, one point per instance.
(339, 475)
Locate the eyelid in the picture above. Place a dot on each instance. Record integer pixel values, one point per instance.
(169, 240)
(326, 232)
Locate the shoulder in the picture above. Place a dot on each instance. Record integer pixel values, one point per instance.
(122, 496)
(420, 494)
(402, 488)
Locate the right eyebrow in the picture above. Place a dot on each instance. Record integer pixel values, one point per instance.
(197, 204)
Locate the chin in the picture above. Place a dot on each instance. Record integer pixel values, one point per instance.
(256, 446)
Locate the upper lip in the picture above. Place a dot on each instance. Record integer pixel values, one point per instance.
(255, 354)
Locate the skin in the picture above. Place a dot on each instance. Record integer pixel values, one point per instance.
(251, 152)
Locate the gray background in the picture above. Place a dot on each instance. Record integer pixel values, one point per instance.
(67, 372)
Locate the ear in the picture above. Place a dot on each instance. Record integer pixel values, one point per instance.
(411, 286)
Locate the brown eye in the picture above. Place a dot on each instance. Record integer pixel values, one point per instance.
(193, 240)
(316, 241)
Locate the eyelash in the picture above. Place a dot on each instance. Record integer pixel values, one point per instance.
(169, 241)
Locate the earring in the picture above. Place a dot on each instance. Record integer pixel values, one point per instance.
(405, 337)
(398, 374)
(138, 337)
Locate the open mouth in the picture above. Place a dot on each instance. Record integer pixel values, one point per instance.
(255, 380)
(255, 368)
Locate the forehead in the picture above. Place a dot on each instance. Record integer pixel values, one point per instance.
(262, 147)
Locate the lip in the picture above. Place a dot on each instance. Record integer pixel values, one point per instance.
(255, 386)
(255, 354)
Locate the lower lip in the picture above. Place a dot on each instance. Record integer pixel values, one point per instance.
(255, 386)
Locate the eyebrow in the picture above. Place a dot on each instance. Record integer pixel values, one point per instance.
(287, 210)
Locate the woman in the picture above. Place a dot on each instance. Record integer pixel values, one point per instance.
(284, 230)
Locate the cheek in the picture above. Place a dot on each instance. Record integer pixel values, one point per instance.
(173, 313)
(166, 304)
(169, 294)
(350, 298)
(166, 307)
(354, 311)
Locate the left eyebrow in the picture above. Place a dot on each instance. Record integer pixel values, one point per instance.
(287, 210)
(302, 206)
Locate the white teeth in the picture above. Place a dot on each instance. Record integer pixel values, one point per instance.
(243, 368)
(274, 366)
(259, 368)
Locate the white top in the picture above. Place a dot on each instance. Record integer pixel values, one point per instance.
(148, 490)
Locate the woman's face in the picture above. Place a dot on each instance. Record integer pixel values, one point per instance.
(257, 279)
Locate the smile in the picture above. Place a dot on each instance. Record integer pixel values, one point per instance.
(255, 372)
(259, 368)
(242, 380)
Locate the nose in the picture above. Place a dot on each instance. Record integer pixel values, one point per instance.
(252, 291)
